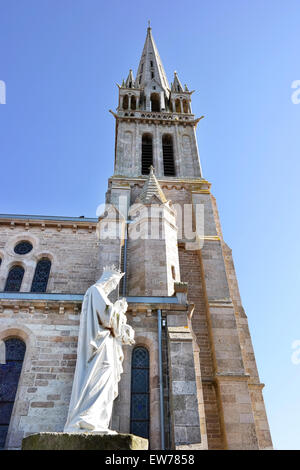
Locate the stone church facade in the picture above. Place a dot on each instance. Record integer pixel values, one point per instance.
(191, 379)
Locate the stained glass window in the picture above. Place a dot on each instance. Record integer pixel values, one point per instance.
(14, 279)
(41, 275)
(9, 379)
(23, 248)
(139, 422)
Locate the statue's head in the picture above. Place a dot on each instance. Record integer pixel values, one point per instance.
(110, 278)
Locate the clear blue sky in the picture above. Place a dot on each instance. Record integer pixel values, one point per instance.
(61, 59)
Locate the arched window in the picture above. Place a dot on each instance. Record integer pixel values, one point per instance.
(185, 106)
(139, 415)
(9, 379)
(168, 157)
(155, 102)
(177, 106)
(133, 103)
(125, 102)
(41, 275)
(14, 279)
(147, 153)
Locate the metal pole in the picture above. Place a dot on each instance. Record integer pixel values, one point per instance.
(161, 384)
(125, 262)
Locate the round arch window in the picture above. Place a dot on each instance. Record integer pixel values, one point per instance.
(22, 248)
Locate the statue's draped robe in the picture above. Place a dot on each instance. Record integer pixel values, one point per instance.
(99, 364)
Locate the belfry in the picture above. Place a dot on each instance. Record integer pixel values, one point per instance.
(190, 381)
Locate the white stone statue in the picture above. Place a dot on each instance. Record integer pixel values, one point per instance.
(103, 329)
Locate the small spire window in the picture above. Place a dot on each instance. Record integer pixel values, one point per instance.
(155, 102)
(185, 106)
(133, 103)
(125, 102)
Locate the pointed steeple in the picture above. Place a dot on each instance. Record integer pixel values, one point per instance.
(150, 189)
(130, 80)
(151, 66)
(176, 85)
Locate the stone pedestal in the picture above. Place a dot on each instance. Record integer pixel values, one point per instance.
(84, 441)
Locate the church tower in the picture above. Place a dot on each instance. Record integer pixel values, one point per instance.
(190, 381)
(193, 344)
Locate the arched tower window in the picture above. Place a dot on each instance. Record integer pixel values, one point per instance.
(147, 153)
(41, 275)
(139, 415)
(133, 103)
(185, 106)
(168, 156)
(125, 102)
(177, 106)
(14, 279)
(155, 102)
(9, 379)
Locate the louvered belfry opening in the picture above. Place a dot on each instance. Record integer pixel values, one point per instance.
(168, 156)
(147, 153)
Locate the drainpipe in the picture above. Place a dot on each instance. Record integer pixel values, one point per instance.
(125, 260)
(161, 384)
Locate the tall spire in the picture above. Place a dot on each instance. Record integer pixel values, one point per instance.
(151, 66)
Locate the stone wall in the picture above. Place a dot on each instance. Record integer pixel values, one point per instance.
(129, 148)
(72, 251)
(46, 379)
(191, 273)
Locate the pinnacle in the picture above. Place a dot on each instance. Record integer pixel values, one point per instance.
(151, 188)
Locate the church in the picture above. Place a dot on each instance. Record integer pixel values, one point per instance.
(191, 380)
